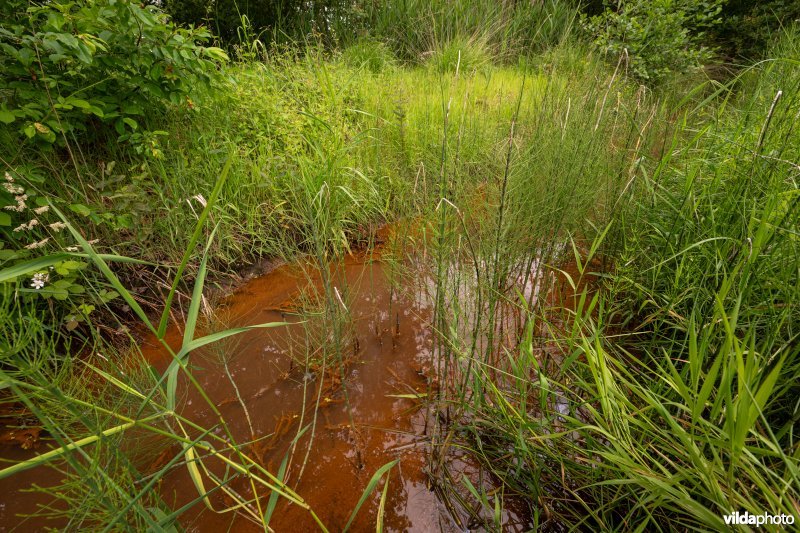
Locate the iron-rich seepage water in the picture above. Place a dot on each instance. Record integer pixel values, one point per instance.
(269, 371)
(386, 350)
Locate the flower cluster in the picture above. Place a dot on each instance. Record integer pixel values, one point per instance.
(38, 244)
(10, 187)
(55, 226)
(40, 279)
(19, 192)
(26, 227)
(36, 221)
(21, 205)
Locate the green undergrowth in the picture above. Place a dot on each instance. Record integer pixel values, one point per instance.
(667, 399)
(659, 393)
(374, 133)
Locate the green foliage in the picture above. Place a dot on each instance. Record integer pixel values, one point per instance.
(375, 56)
(465, 54)
(672, 394)
(65, 67)
(748, 28)
(414, 28)
(269, 20)
(730, 198)
(655, 38)
(408, 27)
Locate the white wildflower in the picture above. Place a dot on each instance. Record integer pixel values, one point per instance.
(71, 248)
(25, 227)
(21, 205)
(9, 178)
(94, 241)
(41, 210)
(13, 189)
(40, 280)
(57, 226)
(36, 245)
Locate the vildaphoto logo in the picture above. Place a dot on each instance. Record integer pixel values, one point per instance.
(747, 519)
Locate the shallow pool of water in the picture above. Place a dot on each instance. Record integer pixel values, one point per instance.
(277, 378)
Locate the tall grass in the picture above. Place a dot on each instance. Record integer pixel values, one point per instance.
(103, 485)
(667, 397)
(613, 276)
(414, 28)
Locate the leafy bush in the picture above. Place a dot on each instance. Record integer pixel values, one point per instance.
(66, 67)
(658, 37)
(748, 28)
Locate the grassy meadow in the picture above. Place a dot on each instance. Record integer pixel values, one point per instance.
(613, 267)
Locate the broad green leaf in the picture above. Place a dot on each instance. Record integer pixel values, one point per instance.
(28, 267)
(81, 209)
(197, 295)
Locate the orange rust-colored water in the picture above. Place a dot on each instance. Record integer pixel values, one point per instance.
(390, 352)
(387, 355)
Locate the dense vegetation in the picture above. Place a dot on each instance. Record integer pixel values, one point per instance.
(141, 159)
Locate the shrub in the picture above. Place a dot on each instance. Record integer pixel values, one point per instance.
(659, 37)
(67, 67)
(748, 28)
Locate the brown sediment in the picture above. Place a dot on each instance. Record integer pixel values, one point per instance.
(281, 379)
(18, 427)
(25, 437)
(271, 381)
(386, 382)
